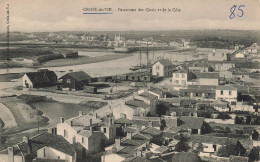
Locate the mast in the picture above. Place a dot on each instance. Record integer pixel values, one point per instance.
(147, 53)
(140, 56)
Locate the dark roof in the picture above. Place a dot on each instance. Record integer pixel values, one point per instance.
(148, 95)
(165, 62)
(43, 140)
(145, 121)
(151, 131)
(137, 103)
(208, 75)
(247, 144)
(182, 110)
(42, 76)
(191, 122)
(79, 76)
(186, 157)
(123, 121)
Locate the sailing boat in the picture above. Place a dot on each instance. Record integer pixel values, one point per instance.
(138, 67)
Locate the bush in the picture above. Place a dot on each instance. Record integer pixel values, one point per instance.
(227, 150)
(49, 57)
(223, 116)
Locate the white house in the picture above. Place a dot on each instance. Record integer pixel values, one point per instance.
(80, 129)
(208, 78)
(227, 93)
(239, 55)
(181, 78)
(163, 68)
(42, 147)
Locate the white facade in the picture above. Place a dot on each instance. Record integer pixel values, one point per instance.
(239, 55)
(179, 79)
(27, 83)
(208, 81)
(51, 153)
(160, 70)
(227, 95)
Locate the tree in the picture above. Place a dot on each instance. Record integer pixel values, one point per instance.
(254, 154)
(199, 148)
(162, 108)
(223, 116)
(227, 150)
(182, 145)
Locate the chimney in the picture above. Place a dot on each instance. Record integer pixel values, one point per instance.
(10, 151)
(91, 130)
(111, 120)
(129, 135)
(80, 113)
(117, 143)
(61, 120)
(71, 123)
(90, 122)
(26, 139)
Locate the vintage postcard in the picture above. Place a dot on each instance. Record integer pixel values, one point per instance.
(131, 81)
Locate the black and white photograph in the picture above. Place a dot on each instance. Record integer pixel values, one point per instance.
(129, 81)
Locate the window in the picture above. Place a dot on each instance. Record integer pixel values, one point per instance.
(58, 157)
(177, 81)
(183, 82)
(215, 147)
(177, 75)
(221, 92)
(230, 93)
(65, 133)
(183, 75)
(197, 94)
(68, 81)
(105, 130)
(157, 67)
(83, 140)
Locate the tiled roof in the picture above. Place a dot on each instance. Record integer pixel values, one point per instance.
(191, 122)
(247, 144)
(165, 62)
(169, 134)
(162, 149)
(183, 110)
(225, 87)
(44, 76)
(145, 122)
(151, 131)
(79, 76)
(207, 75)
(137, 159)
(212, 139)
(123, 121)
(148, 95)
(171, 122)
(43, 140)
(137, 103)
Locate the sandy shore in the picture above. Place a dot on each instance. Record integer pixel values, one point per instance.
(83, 60)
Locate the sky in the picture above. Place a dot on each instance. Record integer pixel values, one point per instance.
(67, 15)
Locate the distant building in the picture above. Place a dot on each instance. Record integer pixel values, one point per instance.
(211, 144)
(75, 80)
(227, 93)
(181, 77)
(217, 56)
(208, 78)
(42, 147)
(200, 67)
(42, 78)
(199, 92)
(163, 68)
(88, 130)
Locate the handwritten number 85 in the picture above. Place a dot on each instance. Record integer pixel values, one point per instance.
(233, 9)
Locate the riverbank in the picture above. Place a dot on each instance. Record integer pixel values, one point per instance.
(83, 60)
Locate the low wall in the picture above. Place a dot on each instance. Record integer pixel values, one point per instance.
(220, 121)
